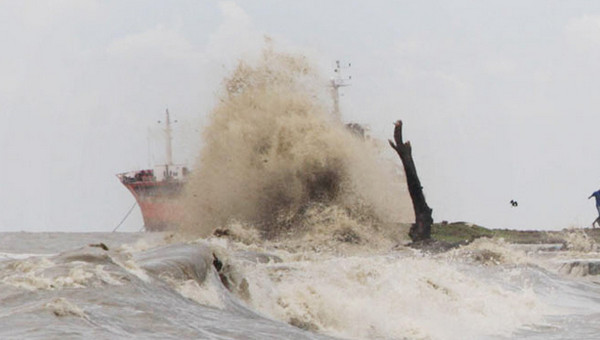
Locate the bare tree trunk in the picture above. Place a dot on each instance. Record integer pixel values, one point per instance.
(421, 229)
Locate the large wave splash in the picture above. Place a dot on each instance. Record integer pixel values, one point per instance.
(275, 159)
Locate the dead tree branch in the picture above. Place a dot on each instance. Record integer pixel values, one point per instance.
(421, 229)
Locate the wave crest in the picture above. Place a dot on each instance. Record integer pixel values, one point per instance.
(272, 152)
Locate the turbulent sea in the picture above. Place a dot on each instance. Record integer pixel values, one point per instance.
(294, 228)
(153, 286)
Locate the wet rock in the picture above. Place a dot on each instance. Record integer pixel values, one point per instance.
(434, 246)
(347, 235)
(85, 254)
(486, 256)
(99, 245)
(307, 326)
(220, 232)
(231, 279)
(581, 267)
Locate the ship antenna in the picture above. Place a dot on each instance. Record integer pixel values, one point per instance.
(336, 82)
(169, 138)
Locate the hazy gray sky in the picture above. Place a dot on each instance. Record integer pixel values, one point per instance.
(500, 98)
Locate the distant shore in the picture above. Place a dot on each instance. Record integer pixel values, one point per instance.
(462, 232)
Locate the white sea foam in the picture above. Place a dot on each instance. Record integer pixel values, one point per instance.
(21, 256)
(578, 241)
(388, 296)
(483, 290)
(206, 293)
(68, 270)
(491, 251)
(62, 307)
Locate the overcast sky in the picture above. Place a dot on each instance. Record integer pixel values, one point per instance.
(500, 99)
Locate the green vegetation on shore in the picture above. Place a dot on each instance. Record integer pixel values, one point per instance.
(462, 232)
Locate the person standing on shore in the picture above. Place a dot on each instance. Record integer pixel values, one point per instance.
(596, 195)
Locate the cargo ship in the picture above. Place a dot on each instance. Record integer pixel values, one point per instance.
(158, 190)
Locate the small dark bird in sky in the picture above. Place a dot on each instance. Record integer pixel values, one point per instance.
(514, 203)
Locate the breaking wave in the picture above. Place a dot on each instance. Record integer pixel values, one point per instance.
(274, 159)
(233, 287)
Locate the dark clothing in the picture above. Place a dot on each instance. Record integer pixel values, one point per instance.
(596, 195)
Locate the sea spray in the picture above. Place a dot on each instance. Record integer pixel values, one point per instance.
(280, 179)
(576, 240)
(273, 155)
(275, 291)
(394, 295)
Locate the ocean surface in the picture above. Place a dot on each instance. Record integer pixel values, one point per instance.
(156, 286)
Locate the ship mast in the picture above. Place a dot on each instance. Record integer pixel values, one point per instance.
(169, 139)
(337, 82)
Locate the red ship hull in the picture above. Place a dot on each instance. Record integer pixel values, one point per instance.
(159, 201)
